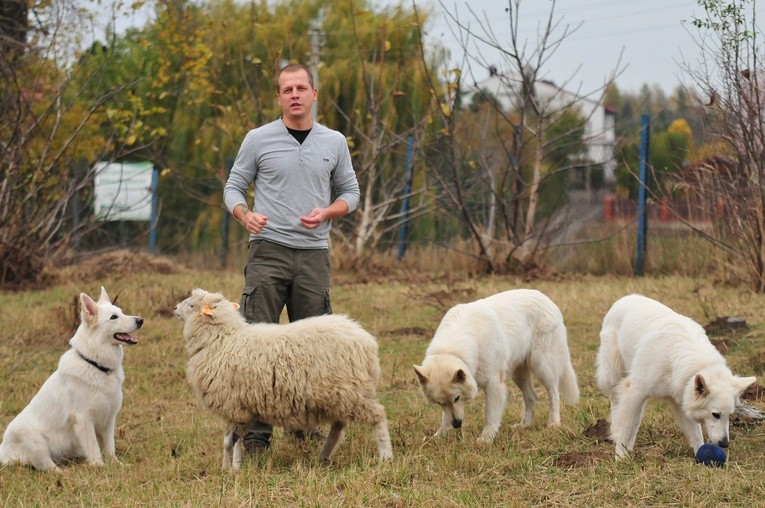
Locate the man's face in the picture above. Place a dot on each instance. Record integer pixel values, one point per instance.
(296, 96)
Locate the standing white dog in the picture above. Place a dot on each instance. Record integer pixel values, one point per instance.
(649, 351)
(477, 344)
(73, 414)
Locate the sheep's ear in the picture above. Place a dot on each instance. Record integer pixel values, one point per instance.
(207, 311)
(236, 305)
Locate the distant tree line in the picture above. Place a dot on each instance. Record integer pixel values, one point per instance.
(182, 90)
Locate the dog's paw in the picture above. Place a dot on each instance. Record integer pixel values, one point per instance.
(486, 437)
(622, 453)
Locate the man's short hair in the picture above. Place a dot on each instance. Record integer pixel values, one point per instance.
(294, 67)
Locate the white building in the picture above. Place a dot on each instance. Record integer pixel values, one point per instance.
(599, 130)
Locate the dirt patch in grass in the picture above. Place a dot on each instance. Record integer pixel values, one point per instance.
(116, 264)
(408, 330)
(582, 459)
(726, 324)
(599, 431)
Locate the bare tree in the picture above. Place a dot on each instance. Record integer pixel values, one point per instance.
(525, 122)
(730, 72)
(47, 139)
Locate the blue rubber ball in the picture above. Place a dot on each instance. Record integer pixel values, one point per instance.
(711, 455)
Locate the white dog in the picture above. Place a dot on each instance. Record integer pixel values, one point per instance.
(477, 344)
(649, 351)
(73, 414)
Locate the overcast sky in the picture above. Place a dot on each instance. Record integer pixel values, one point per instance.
(653, 36)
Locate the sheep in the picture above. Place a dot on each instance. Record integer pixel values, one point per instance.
(317, 370)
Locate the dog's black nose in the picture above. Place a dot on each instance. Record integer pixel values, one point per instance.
(456, 424)
(139, 322)
(723, 443)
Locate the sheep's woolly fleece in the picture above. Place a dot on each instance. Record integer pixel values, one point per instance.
(296, 375)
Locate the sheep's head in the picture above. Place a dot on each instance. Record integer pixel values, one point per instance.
(201, 302)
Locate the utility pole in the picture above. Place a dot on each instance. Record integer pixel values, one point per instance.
(642, 212)
(315, 43)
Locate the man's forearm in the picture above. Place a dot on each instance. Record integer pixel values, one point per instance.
(240, 211)
(337, 209)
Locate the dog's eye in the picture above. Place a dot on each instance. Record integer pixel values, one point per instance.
(456, 399)
(716, 415)
(114, 316)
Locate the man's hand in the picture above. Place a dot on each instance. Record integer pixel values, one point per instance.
(254, 222)
(314, 218)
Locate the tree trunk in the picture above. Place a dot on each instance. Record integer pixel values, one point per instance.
(14, 26)
(534, 191)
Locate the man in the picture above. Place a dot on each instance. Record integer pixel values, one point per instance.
(294, 163)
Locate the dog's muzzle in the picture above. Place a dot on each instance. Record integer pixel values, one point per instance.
(456, 424)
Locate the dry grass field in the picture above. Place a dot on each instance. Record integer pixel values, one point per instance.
(170, 449)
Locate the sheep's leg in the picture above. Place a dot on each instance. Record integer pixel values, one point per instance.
(376, 414)
(238, 452)
(229, 440)
(333, 438)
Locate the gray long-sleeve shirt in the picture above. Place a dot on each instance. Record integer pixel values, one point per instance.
(291, 179)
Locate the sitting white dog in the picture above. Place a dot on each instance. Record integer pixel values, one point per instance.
(73, 415)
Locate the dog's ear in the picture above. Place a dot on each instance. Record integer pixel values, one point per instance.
(459, 377)
(742, 383)
(700, 386)
(89, 309)
(104, 298)
(421, 377)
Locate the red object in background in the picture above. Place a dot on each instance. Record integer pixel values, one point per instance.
(664, 212)
(608, 206)
(720, 208)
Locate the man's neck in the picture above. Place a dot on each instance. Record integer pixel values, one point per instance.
(302, 124)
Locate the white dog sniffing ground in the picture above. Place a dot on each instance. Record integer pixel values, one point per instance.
(478, 344)
(649, 351)
(73, 415)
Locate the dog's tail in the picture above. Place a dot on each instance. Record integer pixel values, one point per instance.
(609, 366)
(569, 388)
